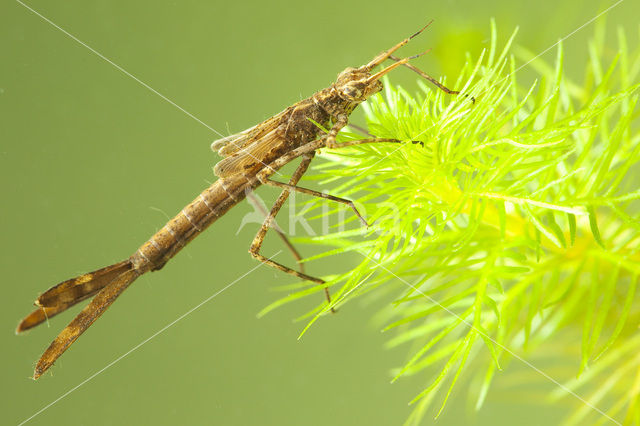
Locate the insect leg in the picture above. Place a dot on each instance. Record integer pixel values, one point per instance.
(288, 187)
(341, 121)
(312, 147)
(291, 186)
(278, 230)
(307, 152)
(384, 55)
(254, 250)
(370, 140)
(431, 79)
(360, 129)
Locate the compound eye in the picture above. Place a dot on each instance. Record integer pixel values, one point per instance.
(346, 72)
(352, 91)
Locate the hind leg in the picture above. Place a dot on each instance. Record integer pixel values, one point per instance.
(254, 250)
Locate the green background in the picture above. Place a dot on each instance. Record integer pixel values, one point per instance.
(91, 164)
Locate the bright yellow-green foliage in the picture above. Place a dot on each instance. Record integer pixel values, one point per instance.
(516, 226)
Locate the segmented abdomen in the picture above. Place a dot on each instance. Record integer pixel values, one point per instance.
(212, 203)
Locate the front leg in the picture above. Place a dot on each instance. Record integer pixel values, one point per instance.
(431, 79)
(341, 121)
(314, 146)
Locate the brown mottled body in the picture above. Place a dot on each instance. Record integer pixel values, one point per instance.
(211, 204)
(251, 158)
(297, 129)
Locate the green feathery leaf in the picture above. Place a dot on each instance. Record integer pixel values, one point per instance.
(517, 221)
